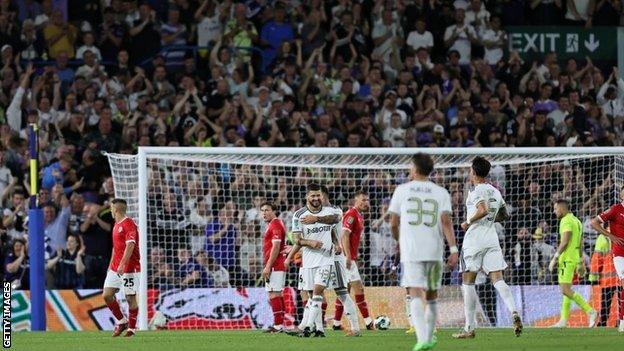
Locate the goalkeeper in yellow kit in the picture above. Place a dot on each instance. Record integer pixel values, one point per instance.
(569, 258)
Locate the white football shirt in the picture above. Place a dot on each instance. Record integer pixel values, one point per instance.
(482, 233)
(310, 257)
(420, 205)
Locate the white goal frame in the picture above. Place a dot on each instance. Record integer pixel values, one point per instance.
(145, 152)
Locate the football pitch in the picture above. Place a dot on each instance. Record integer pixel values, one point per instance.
(487, 339)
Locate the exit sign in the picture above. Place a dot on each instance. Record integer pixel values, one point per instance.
(532, 42)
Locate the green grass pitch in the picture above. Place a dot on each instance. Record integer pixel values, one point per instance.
(487, 339)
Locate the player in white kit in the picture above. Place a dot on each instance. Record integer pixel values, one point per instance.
(481, 250)
(421, 220)
(318, 270)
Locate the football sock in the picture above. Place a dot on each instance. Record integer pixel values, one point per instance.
(431, 314)
(306, 314)
(315, 312)
(278, 310)
(338, 312)
(132, 317)
(418, 318)
(505, 292)
(470, 306)
(350, 311)
(361, 304)
(580, 301)
(116, 310)
(408, 309)
(565, 308)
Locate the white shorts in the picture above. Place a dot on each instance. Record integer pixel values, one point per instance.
(276, 281)
(426, 275)
(489, 260)
(340, 278)
(353, 274)
(331, 277)
(618, 262)
(128, 282)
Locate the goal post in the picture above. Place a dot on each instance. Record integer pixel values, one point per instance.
(183, 198)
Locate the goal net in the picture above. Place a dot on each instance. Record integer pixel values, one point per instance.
(201, 229)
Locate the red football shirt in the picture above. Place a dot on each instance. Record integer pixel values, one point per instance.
(124, 232)
(275, 231)
(354, 223)
(615, 217)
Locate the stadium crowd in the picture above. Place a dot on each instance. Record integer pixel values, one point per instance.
(112, 75)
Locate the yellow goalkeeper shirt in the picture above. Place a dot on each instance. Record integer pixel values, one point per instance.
(569, 223)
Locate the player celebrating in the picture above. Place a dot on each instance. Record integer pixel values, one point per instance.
(569, 257)
(615, 217)
(274, 272)
(308, 219)
(420, 217)
(352, 228)
(318, 269)
(123, 272)
(481, 249)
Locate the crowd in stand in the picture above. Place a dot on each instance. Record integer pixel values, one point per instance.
(113, 75)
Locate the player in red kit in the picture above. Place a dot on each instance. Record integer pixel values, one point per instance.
(274, 272)
(615, 217)
(352, 228)
(124, 268)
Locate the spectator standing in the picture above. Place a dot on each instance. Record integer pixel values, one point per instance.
(98, 243)
(56, 220)
(420, 37)
(112, 35)
(477, 15)
(6, 178)
(579, 13)
(210, 23)
(460, 36)
(494, 40)
(249, 248)
(173, 33)
(607, 12)
(610, 96)
(221, 235)
(144, 36)
(16, 265)
(312, 32)
(15, 216)
(547, 12)
(32, 44)
(60, 36)
(240, 32)
(387, 36)
(274, 33)
(78, 215)
(70, 269)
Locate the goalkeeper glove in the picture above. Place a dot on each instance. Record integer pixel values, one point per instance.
(551, 265)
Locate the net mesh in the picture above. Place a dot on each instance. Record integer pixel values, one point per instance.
(203, 215)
